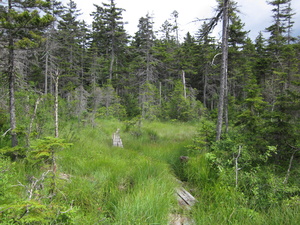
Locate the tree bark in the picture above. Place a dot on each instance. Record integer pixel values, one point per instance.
(223, 80)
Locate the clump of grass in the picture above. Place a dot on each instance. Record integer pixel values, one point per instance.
(150, 203)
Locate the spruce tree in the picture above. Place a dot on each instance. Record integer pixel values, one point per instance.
(143, 46)
(282, 90)
(109, 38)
(22, 23)
(207, 66)
(69, 36)
(143, 63)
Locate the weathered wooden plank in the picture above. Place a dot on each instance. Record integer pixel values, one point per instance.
(178, 219)
(185, 199)
(117, 139)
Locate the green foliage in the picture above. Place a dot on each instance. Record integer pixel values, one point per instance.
(15, 19)
(250, 176)
(113, 185)
(43, 150)
(3, 119)
(35, 212)
(204, 138)
(130, 102)
(5, 176)
(149, 101)
(180, 108)
(28, 202)
(98, 183)
(114, 111)
(14, 153)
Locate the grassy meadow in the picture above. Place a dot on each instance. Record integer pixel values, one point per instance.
(131, 185)
(96, 183)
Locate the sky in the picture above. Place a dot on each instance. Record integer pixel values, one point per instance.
(256, 14)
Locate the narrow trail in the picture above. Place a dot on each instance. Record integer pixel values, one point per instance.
(185, 199)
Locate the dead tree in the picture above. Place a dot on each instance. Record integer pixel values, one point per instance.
(223, 77)
(55, 78)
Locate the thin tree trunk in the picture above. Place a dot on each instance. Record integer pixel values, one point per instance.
(111, 65)
(226, 104)
(290, 167)
(237, 167)
(32, 119)
(159, 93)
(224, 70)
(46, 72)
(148, 66)
(184, 85)
(12, 80)
(56, 77)
(205, 87)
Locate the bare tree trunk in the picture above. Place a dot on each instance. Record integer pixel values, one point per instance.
(47, 65)
(223, 81)
(205, 88)
(56, 77)
(12, 80)
(111, 65)
(226, 104)
(148, 66)
(46, 73)
(290, 167)
(184, 85)
(159, 93)
(32, 119)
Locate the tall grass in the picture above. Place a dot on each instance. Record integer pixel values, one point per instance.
(219, 205)
(136, 184)
(130, 185)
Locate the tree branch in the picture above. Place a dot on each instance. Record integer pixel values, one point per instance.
(236, 167)
(290, 166)
(212, 62)
(3, 135)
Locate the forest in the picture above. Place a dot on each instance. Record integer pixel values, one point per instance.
(218, 116)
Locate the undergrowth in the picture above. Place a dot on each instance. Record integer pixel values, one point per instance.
(96, 183)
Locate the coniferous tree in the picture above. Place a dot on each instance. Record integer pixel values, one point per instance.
(236, 57)
(280, 37)
(22, 23)
(143, 63)
(69, 37)
(109, 37)
(143, 44)
(167, 53)
(50, 47)
(280, 91)
(280, 30)
(223, 78)
(262, 61)
(207, 65)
